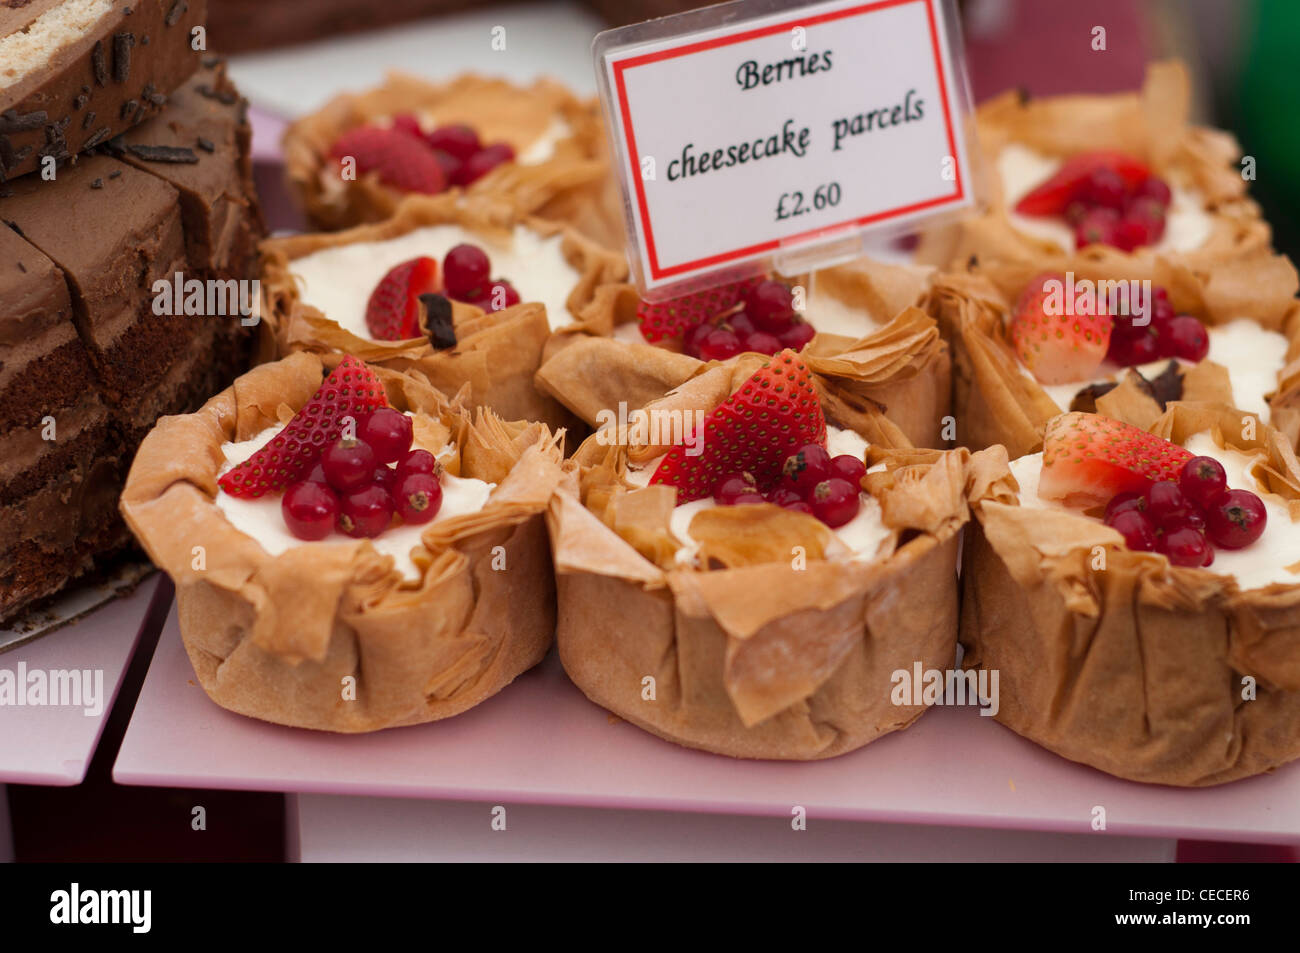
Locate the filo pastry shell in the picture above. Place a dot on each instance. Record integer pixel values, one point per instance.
(495, 108)
(900, 364)
(1151, 125)
(1138, 668)
(496, 353)
(277, 637)
(755, 658)
(998, 402)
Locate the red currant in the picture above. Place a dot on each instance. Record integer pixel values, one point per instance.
(365, 513)
(834, 501)
(693, 343)
(385, 477)
(784, 496)
(770, 305)
(1103, 188)
(753, 496)
(1125, 501)
(805, 468)
(1166, 505)
(742, 324)
(1187, 547)
(458, 141)
(1139, 535)
(848, 467)
(407, 123)
(1130, 234)
(484, 161)
(733, 485)
(797, 335)
(762, 343)
(450, 165)
(498, 296)
(417, 461)
(348, 464)
(1096, 228)
(1154, 187)
(465, 270)
(317, 474)
(418, 497)
(1074, 212)
(720, 345)
(1203, 480)
(388, 432)
(1188, 339)
(309, 509)
(1236, 519)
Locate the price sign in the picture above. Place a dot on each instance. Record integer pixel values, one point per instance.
(752, 130)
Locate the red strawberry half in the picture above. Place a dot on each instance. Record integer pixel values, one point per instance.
(1055, 343)
(393, 312)
(402, 160)
(772, 415)
(1088, 460)
(673, 318)
(351, 390)
(1052, 196)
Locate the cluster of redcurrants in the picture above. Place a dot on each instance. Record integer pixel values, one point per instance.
(811, 481)
(1163, 334)
(1104, 210)
(1185, 519)
(360, 484)
(766, 323)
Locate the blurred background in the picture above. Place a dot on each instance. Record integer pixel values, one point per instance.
(1241, 55)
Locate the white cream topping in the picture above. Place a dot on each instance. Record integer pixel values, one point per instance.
(862, 535)
(1260, 564)
(1252, 355)
(262, 520)
(830, 315)
(338, 281)
(544, 147)
(1021, 169)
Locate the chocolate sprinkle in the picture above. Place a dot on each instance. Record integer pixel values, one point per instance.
(206, 145)
(11, 121)
(437, 311)
(115, 173)
(98, 64)
(129, 108)
(90, 118)
(21, 267)
(210, 62)
(97, 137)
(80, 101)
(179, 154)
(224, 96)
(144, 40)
(97, 184)
(158, 99)
(122, 43)
(176, 12)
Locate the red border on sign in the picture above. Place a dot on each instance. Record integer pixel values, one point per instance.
(656, 272)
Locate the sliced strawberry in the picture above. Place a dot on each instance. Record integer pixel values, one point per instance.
(351, 390)
(1052, 196)
(393, 312)
(403, 161)
(1088, 460)
(1056, 344)
(673, 318)
(772, 415)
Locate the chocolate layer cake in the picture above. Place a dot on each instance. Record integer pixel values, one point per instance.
(87, 361)
(75, 73)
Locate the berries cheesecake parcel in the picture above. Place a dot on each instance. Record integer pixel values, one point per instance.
(1121, 341)
(1117, 177)
(1140, 595)
(754, 589)
(462, 290)
(860, 326)
(536, 147)
(350, 547)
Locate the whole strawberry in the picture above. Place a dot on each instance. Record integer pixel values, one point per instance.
(1056, 344)
(351, 390)
(768, 418)
(673, 318)
(403, 161)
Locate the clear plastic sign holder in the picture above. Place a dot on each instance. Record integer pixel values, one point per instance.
(707, 94)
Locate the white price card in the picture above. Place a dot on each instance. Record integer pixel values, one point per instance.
(764, 131)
